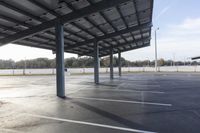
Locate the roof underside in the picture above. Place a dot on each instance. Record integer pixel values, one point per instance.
(119, 24)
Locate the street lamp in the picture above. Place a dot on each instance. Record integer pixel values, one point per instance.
(156, 60)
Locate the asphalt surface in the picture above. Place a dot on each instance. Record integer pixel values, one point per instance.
(138, 103)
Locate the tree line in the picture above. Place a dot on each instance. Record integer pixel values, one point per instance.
(86, 62)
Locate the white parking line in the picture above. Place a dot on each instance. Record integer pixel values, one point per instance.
(146, 85)
(122, 101)
(9, 130)
(195, 112)
(91, 124)
(120, 90)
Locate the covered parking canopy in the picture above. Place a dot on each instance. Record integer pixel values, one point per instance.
(85, 27)
(195, 58)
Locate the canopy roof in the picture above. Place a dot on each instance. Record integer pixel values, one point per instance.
(195, 58)
(119, 24)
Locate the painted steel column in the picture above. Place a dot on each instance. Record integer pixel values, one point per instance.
(60, 72)
(119, 64)
(111, 64)
(96, 62)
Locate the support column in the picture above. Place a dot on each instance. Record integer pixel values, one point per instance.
(96, 62)
(119, 64)
(111, 64)
(60, 72)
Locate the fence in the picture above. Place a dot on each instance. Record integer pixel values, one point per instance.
(102, 70)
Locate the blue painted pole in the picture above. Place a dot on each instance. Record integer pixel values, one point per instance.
(111, 64)
(60, 73)
(96, 62)
(119, 64)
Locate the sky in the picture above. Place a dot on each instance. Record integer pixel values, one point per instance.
(178, 37)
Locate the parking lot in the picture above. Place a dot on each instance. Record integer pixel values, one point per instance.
(137, 102)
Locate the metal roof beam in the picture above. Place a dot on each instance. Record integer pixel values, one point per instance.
(17, 22)
(132, 48)
(35, 46)
(17, 30)
(55, 14)
(85, 30)
(117, 46)
(31, 40)
(102, 5)
(35, 2)
(21, 11)
(87, 19)
(110, 35)
(43, 47)
(110, 23)
(28, 26)
(74, 33)
(3, 34)
(124, 21)
(137, 16)
(7, 28)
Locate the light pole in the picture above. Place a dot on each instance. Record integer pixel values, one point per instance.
(148, 62)
(156, 60)
(24, 71)
(174, 62)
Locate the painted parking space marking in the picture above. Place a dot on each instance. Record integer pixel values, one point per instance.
(9, 130)
(91, 124)
(120, 90)
(121, 101)
(150, 85)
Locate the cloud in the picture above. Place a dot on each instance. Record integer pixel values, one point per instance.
(190, 24)
(181, 38)
(189, 27)
(186, 32)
